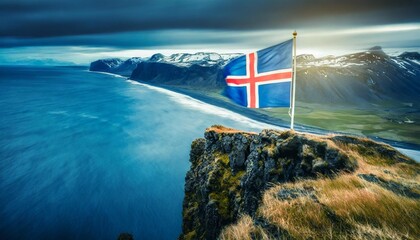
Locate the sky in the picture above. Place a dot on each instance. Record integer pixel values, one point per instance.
(80, 31)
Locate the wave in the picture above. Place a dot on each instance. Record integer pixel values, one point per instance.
(190, 102)
(85, 115)
(58, 112)
(107, 73)
(133, 82)
(195, 104)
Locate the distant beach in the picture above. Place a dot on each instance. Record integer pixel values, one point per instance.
(410, 149)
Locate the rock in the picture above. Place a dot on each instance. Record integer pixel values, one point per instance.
(392, 186)
(320, 166)
(125, 236)
(116, 65)
(161, 72)
(105, 65)
(231, 169)
(293, 193)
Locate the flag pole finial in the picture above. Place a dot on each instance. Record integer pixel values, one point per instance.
(294, 34)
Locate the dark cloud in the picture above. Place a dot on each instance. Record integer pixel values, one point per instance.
(143, 39)
(55, 18)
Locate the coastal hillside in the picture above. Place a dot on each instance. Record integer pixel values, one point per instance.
(363, 79)
(116, 65)
(288, 185)
(368, 93)
(196, 71)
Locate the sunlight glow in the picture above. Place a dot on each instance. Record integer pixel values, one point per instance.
(381, 29)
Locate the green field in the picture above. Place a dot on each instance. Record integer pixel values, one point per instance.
(397, 124)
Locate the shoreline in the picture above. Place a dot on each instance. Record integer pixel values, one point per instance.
(270, 120)
(410, 149)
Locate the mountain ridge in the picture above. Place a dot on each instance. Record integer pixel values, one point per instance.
(367, 93)
(362, 79)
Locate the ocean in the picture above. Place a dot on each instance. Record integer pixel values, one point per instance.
(87, 155)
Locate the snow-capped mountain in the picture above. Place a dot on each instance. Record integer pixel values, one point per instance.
(200, 69)
(200, 58)
(361, 79)
(119, 66)
(116, 65)
(364, 79)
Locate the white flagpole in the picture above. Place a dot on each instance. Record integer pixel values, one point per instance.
(292, 121)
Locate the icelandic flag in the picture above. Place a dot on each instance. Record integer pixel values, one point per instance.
(263, 78)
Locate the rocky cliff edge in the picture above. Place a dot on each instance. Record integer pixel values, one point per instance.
(288, 185)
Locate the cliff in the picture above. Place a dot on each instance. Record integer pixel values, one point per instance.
(199, 70)
(195, 75)
(274, 184)
(115, 65)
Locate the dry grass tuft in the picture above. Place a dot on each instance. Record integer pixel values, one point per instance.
(241, 230)
(376, 207)
(346, 206)
(301, 218)
(244, 229)
(223, 129)
(363, 232)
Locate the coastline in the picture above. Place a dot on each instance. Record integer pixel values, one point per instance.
(410, 149)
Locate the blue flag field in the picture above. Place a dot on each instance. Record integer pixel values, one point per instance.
(263, 78)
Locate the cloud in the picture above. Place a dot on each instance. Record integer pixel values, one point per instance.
(399, 35)
(86, 48)
(51, 18)
(40, 29)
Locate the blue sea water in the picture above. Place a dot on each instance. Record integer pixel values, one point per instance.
(87, 156)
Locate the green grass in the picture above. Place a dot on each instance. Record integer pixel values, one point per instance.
(347, 207)
(386, 122)
(388, 125)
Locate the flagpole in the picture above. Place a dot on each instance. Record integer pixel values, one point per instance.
(292, 121)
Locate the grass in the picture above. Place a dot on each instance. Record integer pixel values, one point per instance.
(388, 122)
(388, 125)
(223, 129)
(342, 207)
(244, 229)
(301, 217)
(347, 208)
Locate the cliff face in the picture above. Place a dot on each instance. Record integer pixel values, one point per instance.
(195, 75)
(115, 65)
(231, 171)
(105, 65)
(199, 70)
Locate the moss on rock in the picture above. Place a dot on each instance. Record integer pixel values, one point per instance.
(231, 170)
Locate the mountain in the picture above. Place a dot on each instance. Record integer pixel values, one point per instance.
(361, 79)
(199, 70)
(187, 60)
(116, 65)
(287, 185)
(365, 79)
